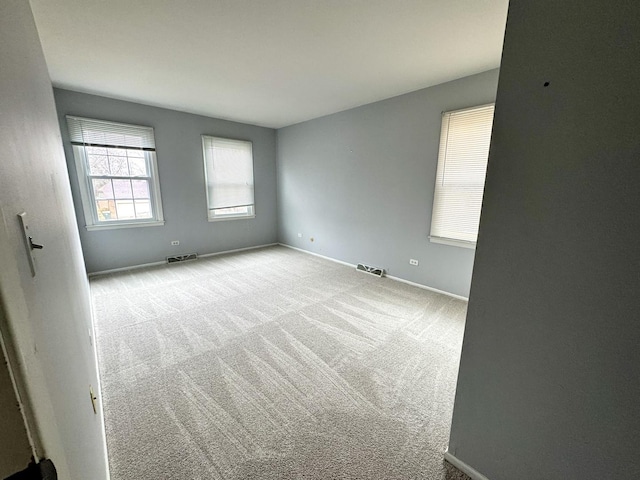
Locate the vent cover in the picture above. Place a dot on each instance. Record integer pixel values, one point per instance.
(377, 271)
(182, 258)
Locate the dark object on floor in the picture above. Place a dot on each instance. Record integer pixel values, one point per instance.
(37, 471)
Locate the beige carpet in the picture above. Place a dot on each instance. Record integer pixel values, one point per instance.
(274, 364)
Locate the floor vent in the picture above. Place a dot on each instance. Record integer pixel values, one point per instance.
(182, 258)
(377, 271)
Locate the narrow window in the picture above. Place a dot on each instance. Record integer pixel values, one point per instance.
(228, 166)
(117, 172)
(462, 166)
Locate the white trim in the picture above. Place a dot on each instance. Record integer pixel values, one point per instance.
(453, 242)
(123, 269)
(318, 255)
(99, 380)
(114, 226)
(87, 195)
(79, 156)
(426, 287)
(234, 217)
(236, 250)
(352, 265)
(164, 262)
(460, 465)
(390, 277)
(156, 197)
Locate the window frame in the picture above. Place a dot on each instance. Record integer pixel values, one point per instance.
(87, 193)
(442, 153)
(218, 217)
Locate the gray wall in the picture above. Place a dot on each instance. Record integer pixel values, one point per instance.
(45, 320)
(181, 172)
(360, 182)
(549, 383)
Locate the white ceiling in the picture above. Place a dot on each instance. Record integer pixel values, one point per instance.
(265, 62)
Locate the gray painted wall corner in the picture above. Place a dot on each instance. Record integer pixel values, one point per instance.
(360, 183)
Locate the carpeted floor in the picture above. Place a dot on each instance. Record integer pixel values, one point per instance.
(275, 364)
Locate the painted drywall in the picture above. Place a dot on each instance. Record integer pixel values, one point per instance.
(360, 183)
(45, 320)
(549, 383)
(182, 185)
(15, 451)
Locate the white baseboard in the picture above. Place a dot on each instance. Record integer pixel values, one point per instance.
(460, 465)
(237, 250)
(164, 262)
(397, 279)
(124, 269)
(390, 277)
(425, 287)
(318, 255)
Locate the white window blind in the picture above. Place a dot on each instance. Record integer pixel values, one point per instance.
(229, 175)
(90, 132)
(462, 166)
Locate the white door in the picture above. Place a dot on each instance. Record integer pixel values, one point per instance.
(47, 317)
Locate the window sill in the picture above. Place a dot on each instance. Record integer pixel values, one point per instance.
(230, 217)
(453, 242)
(114, 226)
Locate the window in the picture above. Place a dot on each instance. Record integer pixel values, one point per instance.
(462, 166)
(117, 173)
(228, 167)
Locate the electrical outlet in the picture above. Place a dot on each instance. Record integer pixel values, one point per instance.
(175, 242)
(299, 235)
(413, 262)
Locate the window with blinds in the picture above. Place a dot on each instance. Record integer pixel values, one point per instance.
(462, 166)
(228, 166)
(117, 173)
